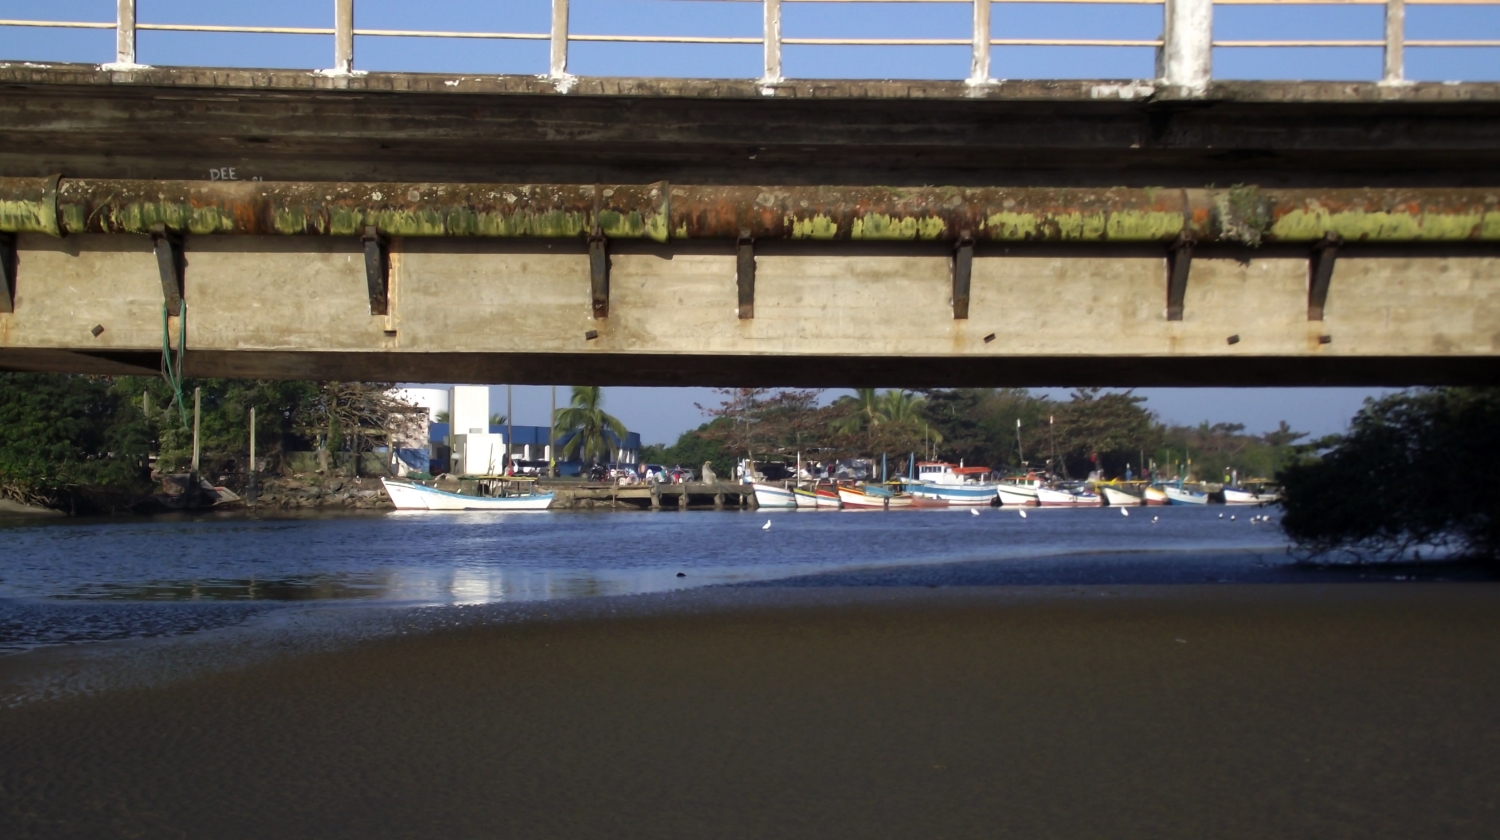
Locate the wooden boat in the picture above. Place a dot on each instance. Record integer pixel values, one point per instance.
(1183, 496)
(806, 499)
(828, 497)
(1120, 497)
(1233, 496)
(1155, 496)
(771, 496)
(1016, 494)
(853, 497)
(892, 498)
(408, 496)
(1054, 497)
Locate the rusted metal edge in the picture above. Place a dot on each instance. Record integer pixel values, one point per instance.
(1245, 215)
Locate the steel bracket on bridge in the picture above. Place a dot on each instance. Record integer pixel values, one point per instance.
(1320, 274)
(171, 263)
(599, 272)
(377, 270)
(744, 275)
(1179, 264)
(963, 270)
(7, 272)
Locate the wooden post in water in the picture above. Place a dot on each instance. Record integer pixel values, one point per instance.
(250, 489)
(197, 407)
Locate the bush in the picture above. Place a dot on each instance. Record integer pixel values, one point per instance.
(1413, 472)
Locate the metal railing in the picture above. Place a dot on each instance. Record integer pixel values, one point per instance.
(1184, 51)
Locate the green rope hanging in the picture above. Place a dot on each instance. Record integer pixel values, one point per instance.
(169, 372)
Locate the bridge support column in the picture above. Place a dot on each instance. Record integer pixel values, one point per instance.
(1395, 43)
(343, 37)
(772, 36)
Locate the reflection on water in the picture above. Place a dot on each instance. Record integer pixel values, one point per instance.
(485, 557)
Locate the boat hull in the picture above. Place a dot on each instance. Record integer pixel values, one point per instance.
(982, 494)
(1156, 496)
(1245, 497)
(767, 496)
(1120, 498)
(418, 497)
(1062, 498)
(1186, 497)
(859, 499)
(806, 499)
(828, 498)
(1016, 495)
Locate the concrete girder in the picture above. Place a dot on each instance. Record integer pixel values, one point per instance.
(1246, 215)
(824, 313)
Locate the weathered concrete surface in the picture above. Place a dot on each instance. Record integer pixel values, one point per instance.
(185, 123)
(877, 315)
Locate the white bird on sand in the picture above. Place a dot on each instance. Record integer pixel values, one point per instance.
(973, 511)
(1124, 512)
(767, 526)
(1023, 513)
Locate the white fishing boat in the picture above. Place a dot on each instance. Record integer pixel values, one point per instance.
(408, 496)
(771, 496)
(1183, 496)
(1155, 496)
(1059, 497)
(1120, 497)
(892, 498)
(853, 497)
(1233, 496)
(1016, 494)
(806, 499)
(954, 484)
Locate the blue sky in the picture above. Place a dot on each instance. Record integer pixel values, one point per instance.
(661, 413)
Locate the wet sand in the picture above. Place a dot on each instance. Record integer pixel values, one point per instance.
(1328, 711)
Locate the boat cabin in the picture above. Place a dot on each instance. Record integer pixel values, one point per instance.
(942, 472)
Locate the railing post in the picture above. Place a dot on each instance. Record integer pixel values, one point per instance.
(125, 32)
(772, 9)
(343, 36)
(979, 68)
(557, 67)
(1395, 42)
(1186, 58)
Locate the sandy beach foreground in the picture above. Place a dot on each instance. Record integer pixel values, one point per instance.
(1342, 710)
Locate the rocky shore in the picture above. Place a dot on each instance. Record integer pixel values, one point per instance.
(316, 491)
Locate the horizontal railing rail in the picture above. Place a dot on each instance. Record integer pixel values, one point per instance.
(1184, 49)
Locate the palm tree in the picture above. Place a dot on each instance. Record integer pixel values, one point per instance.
(586, 420)
(866, 404)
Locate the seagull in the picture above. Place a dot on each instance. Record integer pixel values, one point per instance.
(1023, 513)
(1124, 512)
(1231, 519)
(767, 526)
(973, 511)
(1155, 519)
(1221, 516)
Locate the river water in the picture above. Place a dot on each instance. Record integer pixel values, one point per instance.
(74, 581)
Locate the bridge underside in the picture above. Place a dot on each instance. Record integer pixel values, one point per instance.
(1213, 222)
(823, 314)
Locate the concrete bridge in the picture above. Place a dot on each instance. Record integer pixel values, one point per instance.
(654, 231)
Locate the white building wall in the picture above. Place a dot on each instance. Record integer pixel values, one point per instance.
(470, 410)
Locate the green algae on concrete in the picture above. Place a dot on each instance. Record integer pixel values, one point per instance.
(879, 226)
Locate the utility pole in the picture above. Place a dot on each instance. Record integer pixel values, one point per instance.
(552, 437)
(509, 441)
(1019, 450)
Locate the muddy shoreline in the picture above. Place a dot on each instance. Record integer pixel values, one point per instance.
(1338, 710)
